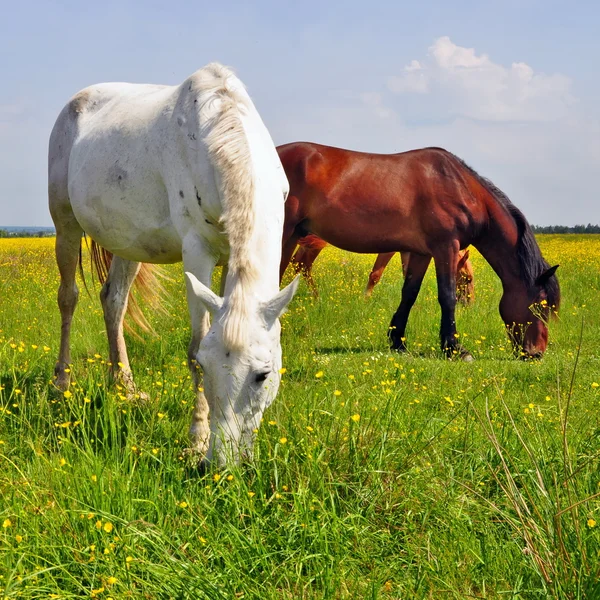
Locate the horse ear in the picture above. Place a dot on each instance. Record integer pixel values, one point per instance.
(211, 301)
(275, 307)
(542, 279)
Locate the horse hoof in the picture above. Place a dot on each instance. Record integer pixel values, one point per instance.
(398, 345)
(467, 358)
(196, 464)
(402, 349)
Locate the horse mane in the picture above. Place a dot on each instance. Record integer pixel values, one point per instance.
(531, 262)
(229, 153)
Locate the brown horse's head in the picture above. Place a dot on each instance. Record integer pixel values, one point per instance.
(465, 290)
(526, 314)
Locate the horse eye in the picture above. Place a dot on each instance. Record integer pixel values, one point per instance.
(261, 377)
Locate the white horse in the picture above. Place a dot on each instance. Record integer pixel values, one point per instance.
(160, 174)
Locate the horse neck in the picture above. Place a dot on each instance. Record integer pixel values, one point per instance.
(498, 245)
(264, 245)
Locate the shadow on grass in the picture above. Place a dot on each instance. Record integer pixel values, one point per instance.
(345, 350)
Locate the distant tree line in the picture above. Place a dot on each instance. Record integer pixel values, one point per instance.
(26, 233)
(589, 228)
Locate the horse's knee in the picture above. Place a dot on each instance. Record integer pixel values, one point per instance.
(67, 297)
(104, 293)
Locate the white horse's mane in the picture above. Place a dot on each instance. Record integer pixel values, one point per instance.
(229, 152)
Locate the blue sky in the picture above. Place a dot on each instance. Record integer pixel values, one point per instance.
(510, 86)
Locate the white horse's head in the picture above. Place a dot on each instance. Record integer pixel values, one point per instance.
(239, 384)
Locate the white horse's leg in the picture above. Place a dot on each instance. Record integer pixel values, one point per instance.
(196, 260)
(68, 241)
(114, 297)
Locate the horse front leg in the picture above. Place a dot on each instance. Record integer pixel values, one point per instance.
(415, 272)
(445, 267)
(197, 260)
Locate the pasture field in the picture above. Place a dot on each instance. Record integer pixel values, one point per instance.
(376, 475)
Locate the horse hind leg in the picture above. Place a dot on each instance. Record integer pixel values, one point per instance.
(288, 246)
(114, 297)
(381, 262)
(303, 262)
(68, 249)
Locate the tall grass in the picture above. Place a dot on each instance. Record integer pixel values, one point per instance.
(376, 475)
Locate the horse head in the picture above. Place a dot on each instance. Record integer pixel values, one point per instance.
(526, 315)
(239, 382)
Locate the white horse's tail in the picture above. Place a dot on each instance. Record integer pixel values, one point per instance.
(147, 283)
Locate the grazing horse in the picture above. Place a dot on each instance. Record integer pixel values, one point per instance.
(430, 203)
(310, 246)
(163, 174)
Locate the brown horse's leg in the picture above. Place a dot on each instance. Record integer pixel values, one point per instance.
(68, 244)
(464, 279)
(416, 269)
(381, 262)
(114, 297)
(303, 262)
(290, 241)
(405, 256)
(445, 268)
(297, 261)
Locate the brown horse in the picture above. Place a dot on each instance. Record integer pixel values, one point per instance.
(310, 246)
(430, 203)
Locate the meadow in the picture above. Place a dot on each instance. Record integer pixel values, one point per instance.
(376, 475)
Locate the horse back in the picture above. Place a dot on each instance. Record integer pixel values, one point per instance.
(367, 202)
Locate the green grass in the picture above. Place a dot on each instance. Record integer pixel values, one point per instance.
(376, 475)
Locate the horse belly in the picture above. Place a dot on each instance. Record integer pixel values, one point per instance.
(364, 231)
(122, 205)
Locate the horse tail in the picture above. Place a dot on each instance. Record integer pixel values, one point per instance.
(148, 284)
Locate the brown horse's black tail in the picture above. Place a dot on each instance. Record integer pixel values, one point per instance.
(147, 283)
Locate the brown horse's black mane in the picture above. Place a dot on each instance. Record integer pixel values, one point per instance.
(531, 261)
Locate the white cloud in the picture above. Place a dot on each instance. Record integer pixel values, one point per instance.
(521, 128)
(461, 83)
(413, 79)
(374, 101)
